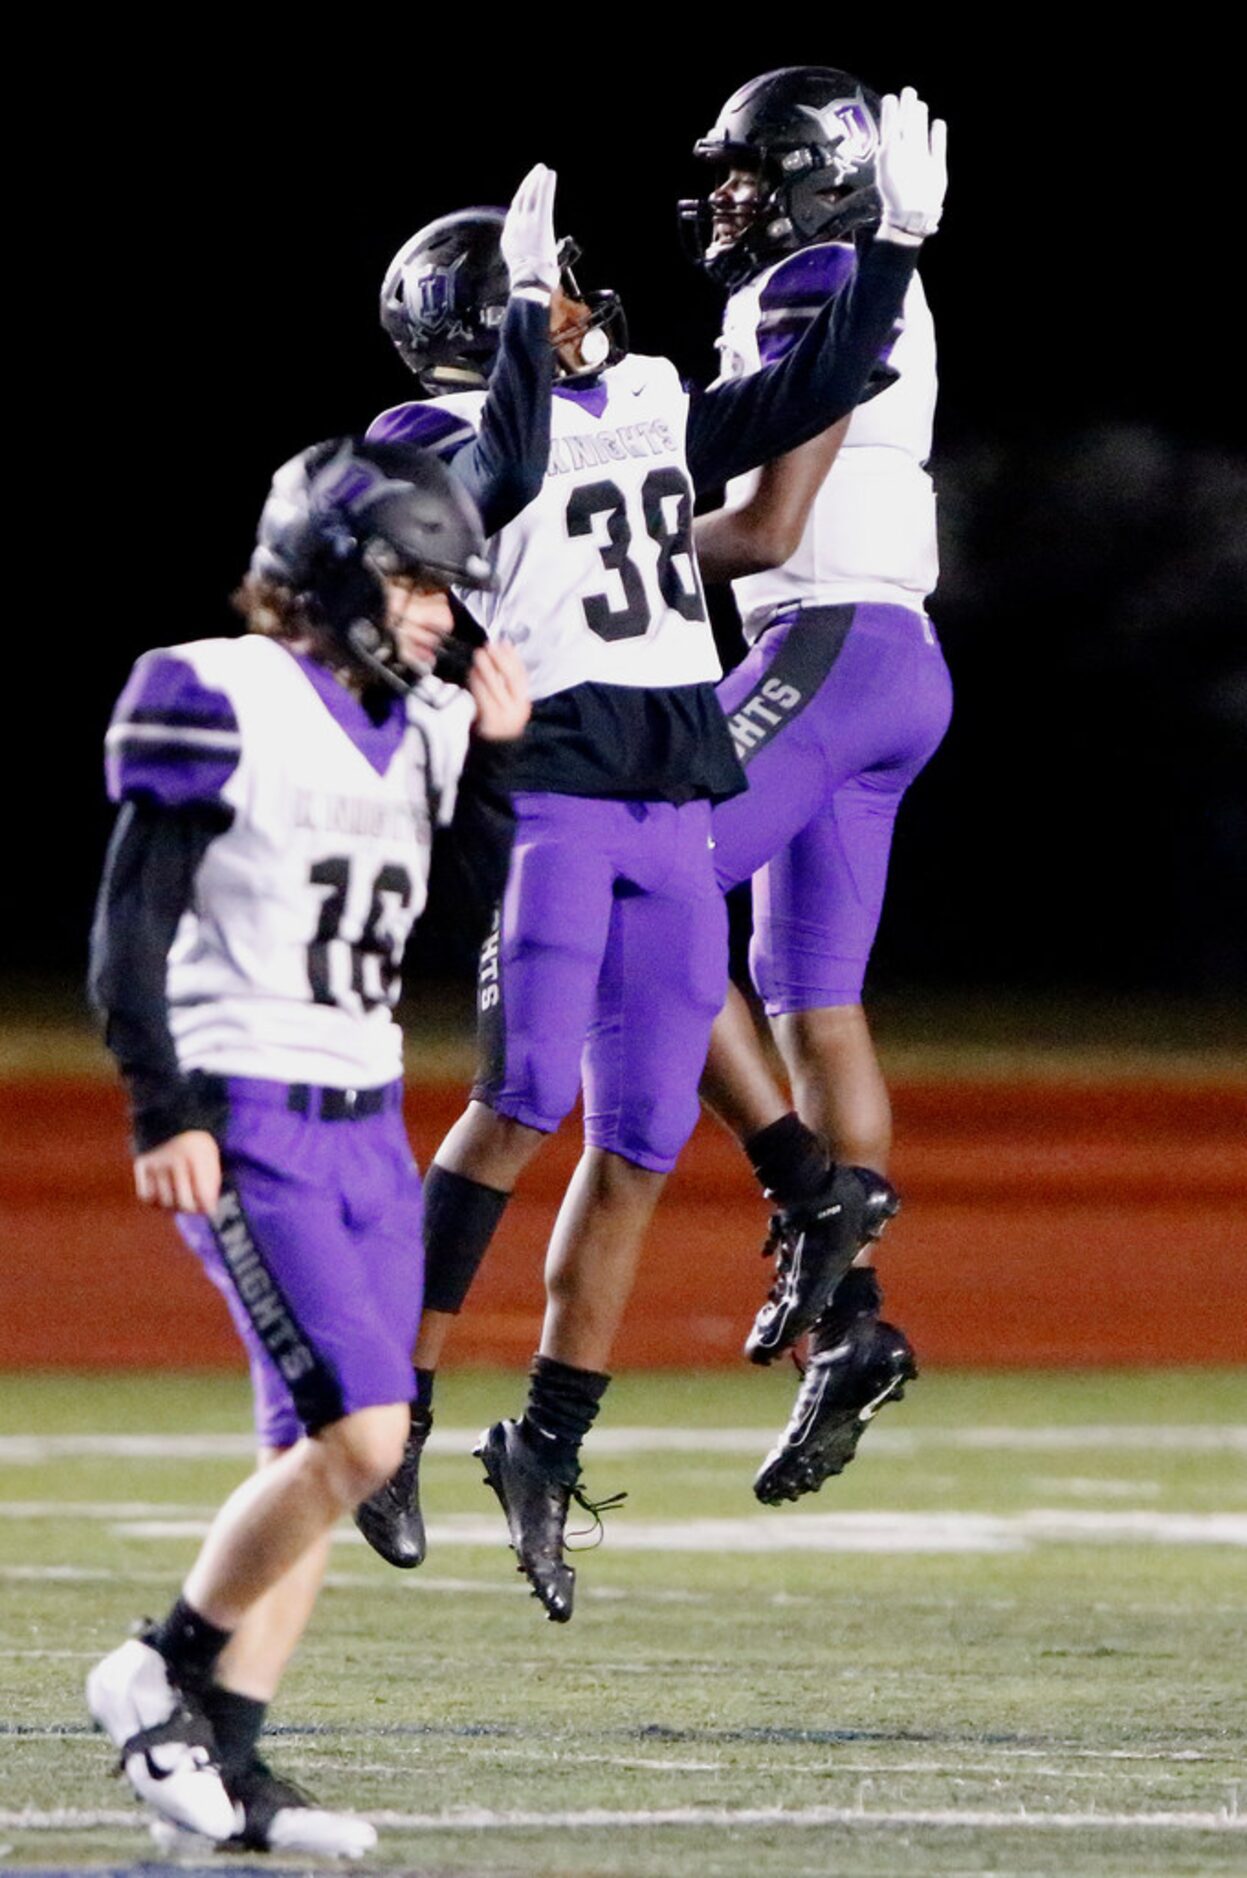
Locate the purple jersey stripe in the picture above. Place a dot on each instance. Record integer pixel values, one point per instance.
(376, 741)
(778, 334)
(777, 338)
(809, 277)
(592, 398)
(165, 689)
(443, 432)
(173, 739)
(166, 773)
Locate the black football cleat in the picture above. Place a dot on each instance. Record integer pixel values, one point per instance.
(845, 1385)
(535, 1500)
(390, 1519)
(814, 1244)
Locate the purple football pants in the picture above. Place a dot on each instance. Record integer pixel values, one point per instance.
(609, 962)
(316, 1247)
(833, 714)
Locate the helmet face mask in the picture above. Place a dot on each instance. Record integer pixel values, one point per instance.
(810, 135)
(444, 300)
(600, 336)
(729, 210)
(346, 516)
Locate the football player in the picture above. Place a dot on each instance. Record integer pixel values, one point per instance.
(279, 795)
(609, 957)
(831, 552)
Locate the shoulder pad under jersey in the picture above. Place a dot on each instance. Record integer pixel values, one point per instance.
(791, 293)
(430, 425)
(173, 739)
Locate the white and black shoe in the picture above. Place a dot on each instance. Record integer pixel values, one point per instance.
(275, 1815)
(167, 1748)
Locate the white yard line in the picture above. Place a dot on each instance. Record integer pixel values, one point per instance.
(386, 1583)
(303, 1743)
(830, 1532)
(1162, 1437)
(891, 1532)
(68, 1819)
(1168, 1437)
(102, 1509)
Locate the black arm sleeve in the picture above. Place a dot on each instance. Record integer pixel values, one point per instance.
(743, 422)
(503, 469)
(148, 884)
(471, 857)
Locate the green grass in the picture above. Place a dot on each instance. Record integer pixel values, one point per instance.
(1078, 1675)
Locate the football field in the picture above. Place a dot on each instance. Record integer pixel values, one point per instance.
(1011, 1638)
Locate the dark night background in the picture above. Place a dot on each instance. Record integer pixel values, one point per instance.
(1083, 829)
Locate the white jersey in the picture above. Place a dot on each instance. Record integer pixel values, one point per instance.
(596, 579)
(286, 966)
(871, 531)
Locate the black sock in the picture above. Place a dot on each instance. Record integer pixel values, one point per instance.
(789, 1160)
(189, 1644)
(423, 1397)
(460, 1218)
(237, 1721)
(562, 1405)
(857, 1295)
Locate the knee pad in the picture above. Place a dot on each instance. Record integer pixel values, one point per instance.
(460, 1219)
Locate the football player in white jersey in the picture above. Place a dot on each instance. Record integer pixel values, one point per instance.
(844, 696)
(609, 961)
(279, 795)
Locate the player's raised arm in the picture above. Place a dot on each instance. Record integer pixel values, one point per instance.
(736, 425)
(499, 451)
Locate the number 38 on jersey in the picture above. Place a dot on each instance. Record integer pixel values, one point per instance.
(597, 577)
(600, 509)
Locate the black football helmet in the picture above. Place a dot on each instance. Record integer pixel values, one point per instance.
(811, 134)
(444, 299)
(344, 515)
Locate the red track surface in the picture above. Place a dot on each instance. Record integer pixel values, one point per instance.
(1044, 1223)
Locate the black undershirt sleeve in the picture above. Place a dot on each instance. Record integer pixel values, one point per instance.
(736, 425)
(148, 884)
(471, 857)
(505, 466)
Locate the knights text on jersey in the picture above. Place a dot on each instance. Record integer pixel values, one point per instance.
(871, 531)
(598, 590)
(596, 579)
(286, 965)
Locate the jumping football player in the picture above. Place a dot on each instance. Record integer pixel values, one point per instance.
(279, 794)
(843, 698)
(609, 960)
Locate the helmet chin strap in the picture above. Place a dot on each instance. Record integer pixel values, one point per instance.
(376, 651)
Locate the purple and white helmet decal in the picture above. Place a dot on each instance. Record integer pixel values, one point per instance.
(849, 127)
(435, 297)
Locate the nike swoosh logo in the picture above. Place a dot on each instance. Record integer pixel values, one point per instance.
(871, 1409)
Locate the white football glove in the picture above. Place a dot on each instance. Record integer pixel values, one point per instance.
(528, 245)
(911, 169)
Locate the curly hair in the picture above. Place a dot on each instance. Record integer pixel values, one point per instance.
(274, 610)
(278, 612)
